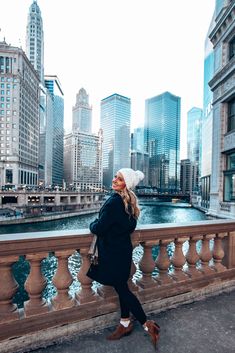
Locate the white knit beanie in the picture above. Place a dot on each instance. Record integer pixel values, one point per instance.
(131, 177)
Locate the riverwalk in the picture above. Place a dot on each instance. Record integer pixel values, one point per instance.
(205, 326)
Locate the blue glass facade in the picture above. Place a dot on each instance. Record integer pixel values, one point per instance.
(194, 130)
(162, 140)
(138, 139)
(115, 123)
(53, 85)
(207, 120)
(194, 134)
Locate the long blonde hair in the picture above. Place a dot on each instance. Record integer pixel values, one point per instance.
(130, 202)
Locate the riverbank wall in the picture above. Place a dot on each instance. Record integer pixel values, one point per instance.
(47, 217)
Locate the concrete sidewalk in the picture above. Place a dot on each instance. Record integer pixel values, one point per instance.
(206, 326)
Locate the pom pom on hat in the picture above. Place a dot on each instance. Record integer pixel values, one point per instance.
(131, 177)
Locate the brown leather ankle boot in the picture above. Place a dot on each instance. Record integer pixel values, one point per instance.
(153, 330)
(120, 332)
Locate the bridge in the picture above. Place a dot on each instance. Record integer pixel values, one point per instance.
(201, 264)
(38, 202)
(163, 196)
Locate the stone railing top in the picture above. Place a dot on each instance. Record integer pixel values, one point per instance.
(26, 243)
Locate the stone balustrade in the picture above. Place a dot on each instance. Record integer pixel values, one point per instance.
(203, 258)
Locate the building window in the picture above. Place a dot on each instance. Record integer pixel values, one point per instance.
(9, 176)
(231, 115)
(229, 178)
(232, 48)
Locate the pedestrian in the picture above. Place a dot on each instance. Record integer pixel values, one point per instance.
(117, 220)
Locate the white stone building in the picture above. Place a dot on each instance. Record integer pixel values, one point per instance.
(222, 195)
(19, 118)
(83, 161)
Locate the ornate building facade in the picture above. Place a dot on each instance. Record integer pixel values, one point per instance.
(222, 195)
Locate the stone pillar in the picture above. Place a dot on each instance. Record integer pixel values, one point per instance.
(86, 294)
(163, 263)
(8, 288)
(147, 265)
(192, 257)
(229, 249)
(206, 254)
(178, 260)
(34, 286)
(62, 280)
(218, 253)
(57, 198)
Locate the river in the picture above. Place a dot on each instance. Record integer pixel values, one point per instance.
(158, 212)
(154, 213)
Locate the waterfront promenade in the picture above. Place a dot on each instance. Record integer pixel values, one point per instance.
(206, 326)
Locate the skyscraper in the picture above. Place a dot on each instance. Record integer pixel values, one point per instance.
(207, 121)
(19, 118)
(138, 139)
(35, 39)
(45, 137)
(222, 193)
(194, 143)
(115, 123)
(83, 160)
(162, 140)
(54, 87)
(82, 113)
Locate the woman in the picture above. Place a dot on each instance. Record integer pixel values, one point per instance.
(117, 220)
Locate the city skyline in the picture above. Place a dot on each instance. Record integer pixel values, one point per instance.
(139, 58)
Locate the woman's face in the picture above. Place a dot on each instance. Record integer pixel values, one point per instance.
(118, 182)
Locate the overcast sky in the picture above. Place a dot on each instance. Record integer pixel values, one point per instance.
(137, 48)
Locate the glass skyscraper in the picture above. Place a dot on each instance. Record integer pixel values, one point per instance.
(162, 140)
(207, 120)
(194, 142)
(194, 134)
(54, 87)
(45, 137)
(138, 139)
(35, 39)
(115, 123)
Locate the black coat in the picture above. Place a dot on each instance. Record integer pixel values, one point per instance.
(113, 229)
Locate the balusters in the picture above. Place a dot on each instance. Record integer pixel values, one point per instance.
(8, 310)
(34, 286)
(107, 292)
(163, 263)
(86, 293)
(133, 287)
(62, 280)
(206, 254)
(193, 257)
(218, 253)
(147, 265)
(178, 260)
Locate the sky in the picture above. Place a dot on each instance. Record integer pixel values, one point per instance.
(136, 48)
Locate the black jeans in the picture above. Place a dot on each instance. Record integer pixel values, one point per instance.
(129, 303)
